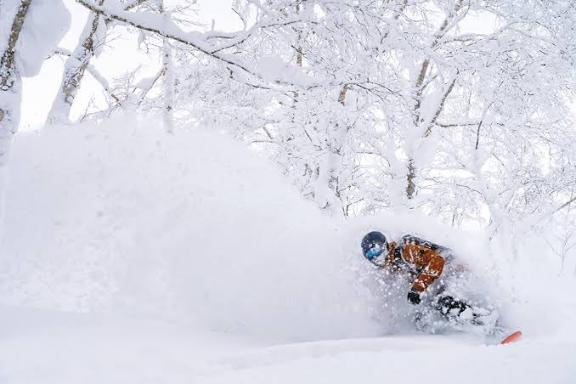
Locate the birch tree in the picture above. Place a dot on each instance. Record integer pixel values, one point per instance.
(10, 79)
(91, 38)
(168, 76)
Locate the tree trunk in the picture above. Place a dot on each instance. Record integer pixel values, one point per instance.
(10, 94)
(168, 107)
(418, 100)
(10, 84)
(327, 192)
(168, 75)
(411, 175)
(411, 184)
(74, 69)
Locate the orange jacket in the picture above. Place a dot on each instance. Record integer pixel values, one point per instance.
(422, 259)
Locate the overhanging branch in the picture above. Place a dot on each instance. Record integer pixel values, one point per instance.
(174, 33)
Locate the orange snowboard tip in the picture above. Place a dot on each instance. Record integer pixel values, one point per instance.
(512, 338)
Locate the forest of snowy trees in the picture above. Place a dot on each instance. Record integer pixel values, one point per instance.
(461, 109)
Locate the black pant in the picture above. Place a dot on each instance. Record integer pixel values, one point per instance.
(450, 307)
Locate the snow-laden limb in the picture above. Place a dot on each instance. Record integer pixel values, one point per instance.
(157, 24)
(95, 73)
(202, 42)
(93, 36)
(131, 4)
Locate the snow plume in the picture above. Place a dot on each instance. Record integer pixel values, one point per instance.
(389, 293)
(517, 274)
(121, 217)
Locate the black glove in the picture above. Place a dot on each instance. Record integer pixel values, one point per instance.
(414, 297)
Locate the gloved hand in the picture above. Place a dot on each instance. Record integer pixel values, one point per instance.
(414, 297)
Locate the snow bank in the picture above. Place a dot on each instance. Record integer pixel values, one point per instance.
(122, 217)
(46, 347)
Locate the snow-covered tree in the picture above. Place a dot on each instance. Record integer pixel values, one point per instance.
(30, 30)
(90, 41)
(11, 22)
(372, 104)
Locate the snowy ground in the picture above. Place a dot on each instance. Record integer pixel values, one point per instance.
(134, 257)
(54, 347)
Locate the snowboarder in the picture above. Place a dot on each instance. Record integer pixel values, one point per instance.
(429, 268)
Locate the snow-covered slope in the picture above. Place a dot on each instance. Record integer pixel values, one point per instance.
(131, 256)
(43, 347)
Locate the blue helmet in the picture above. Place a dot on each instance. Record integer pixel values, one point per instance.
(373, 245)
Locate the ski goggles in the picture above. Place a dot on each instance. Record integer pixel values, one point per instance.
(374, 251)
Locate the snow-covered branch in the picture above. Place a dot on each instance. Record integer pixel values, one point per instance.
(156, 24)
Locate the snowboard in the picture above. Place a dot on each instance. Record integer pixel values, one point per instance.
(512, 338)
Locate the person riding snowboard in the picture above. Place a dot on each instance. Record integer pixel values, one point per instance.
(427, 266)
